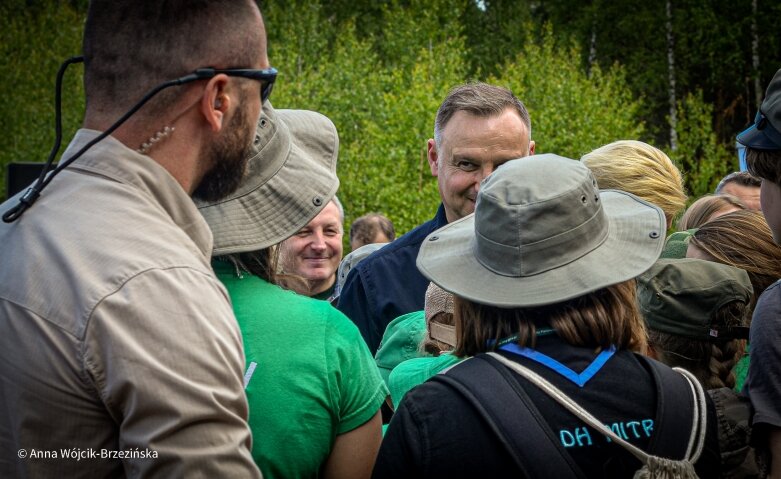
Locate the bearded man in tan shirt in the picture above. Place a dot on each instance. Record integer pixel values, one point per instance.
(120, 347)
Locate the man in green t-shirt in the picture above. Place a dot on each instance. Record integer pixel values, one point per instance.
(312, 386)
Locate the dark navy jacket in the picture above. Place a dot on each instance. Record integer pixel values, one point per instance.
(387, 284)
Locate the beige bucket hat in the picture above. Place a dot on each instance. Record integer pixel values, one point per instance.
(291, 177)
(543, 233)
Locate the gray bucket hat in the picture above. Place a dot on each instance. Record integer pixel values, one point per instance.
(291, 177)
(543, 233)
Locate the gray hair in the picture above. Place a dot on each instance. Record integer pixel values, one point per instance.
(340, 208)
(480, 99)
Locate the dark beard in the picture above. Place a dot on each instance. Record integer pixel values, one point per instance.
(228, 157)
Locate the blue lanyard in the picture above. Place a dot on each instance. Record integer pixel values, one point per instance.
(547, 361)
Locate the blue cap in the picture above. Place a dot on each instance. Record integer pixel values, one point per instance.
(765, 133)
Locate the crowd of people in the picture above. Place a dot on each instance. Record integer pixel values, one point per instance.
(176, 302)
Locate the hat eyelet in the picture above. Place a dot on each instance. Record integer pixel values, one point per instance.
(263, 122)
(596, 198)
(654, 234)
(433, 238)
(583, 199)
(257, 140)
(317, 201)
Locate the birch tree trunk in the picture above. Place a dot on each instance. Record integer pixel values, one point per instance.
(592, 48)
(671, 77)
(755, 55)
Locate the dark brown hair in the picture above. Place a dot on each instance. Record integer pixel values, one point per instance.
(711, 362)
(764, 164)
(365, 228)
(743, 178)
(131, 46)
(609, 316)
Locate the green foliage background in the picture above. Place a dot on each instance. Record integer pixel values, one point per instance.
(589, 72)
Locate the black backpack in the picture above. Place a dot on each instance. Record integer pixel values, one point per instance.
(520, 431)
(738, 459)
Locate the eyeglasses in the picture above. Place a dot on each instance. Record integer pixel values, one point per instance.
(266, 77)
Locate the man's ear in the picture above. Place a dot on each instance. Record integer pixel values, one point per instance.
(532, 144)
(215, 102)
(433, 157)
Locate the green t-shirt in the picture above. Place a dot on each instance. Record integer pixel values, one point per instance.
(741, 370)
(400, 342)
(309, 374)
(413, 372)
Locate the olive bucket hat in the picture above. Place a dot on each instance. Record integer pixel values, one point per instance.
(291, 177)
(543, 233)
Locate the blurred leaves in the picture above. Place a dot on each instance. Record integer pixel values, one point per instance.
(33, 44)
(571, 113)
(701, 158)
(589, 72)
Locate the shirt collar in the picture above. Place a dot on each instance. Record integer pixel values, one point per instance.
(112, 159)
(441, 218)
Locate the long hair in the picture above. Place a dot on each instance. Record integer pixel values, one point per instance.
(711, 362)
(742, 239)
(705, 208)
(600, 319)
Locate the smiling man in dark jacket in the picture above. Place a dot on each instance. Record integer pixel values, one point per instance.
(478, 127)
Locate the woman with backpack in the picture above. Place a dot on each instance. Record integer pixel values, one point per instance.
(545, 303)
(697, 315)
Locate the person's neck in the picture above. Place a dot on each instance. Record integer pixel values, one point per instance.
(318, 287)
(175, 149)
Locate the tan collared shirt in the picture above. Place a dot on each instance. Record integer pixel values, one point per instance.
(117, 339)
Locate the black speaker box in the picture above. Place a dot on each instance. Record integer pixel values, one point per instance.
(21, 175)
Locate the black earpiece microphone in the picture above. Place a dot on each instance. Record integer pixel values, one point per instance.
(32, 193)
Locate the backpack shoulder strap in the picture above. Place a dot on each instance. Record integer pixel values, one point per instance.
(696, 438)
(672, 423)
(522, 431)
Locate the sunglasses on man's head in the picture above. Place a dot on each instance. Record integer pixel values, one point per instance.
(266, 77)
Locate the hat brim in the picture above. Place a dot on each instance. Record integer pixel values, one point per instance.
(634, 242)
(765, 139)
(264, 212)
